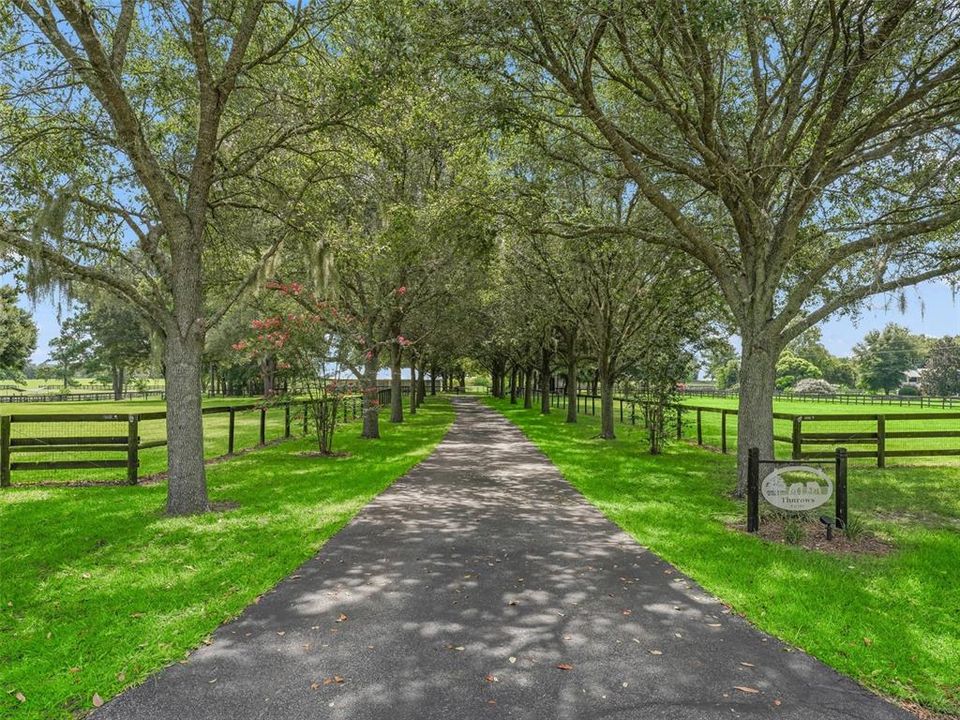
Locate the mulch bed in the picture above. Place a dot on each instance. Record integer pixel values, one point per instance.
(815, 538)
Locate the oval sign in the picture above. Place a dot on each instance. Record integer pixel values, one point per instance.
(797, 494)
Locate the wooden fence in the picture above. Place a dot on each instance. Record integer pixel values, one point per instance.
(922, 401)
(83, 396)
(127, 446)
(875, 438)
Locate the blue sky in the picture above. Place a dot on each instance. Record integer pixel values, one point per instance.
(932, 309)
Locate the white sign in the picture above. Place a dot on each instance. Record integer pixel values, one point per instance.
(797, 495)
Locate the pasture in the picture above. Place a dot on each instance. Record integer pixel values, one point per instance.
(152, 459)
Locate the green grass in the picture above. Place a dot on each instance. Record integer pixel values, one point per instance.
(892, 622)
(97, 582)
(782, 427)
(152, 460)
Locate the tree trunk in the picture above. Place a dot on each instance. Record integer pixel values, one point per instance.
(571, 388)
(593, 382)
(187, 482)
(433, 380)
(463, 381)
(528, 387)
(396, 384)
(606, 403)
(513, 385)
(755, 409)
(371, 397)
(413, 384)
(421, 385)
(545, 356)
(116, 377)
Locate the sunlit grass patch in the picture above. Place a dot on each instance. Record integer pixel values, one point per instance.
(890, 621)
(100, 588)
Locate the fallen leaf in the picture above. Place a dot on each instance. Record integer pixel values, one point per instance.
(97, 700)
(314, 685)
(867, 641)
(655, 652)
(74, 670)
(491, 702)
(746, 664)
(281, 633)
(564, 666)
(513, 602)
(136, 615)
(627, 612)
(85, 576)
(745, 689)
(777, 702)
(21, 697)
(335, 680)
(491, 678)
(512, 659)
(341, 617)
(121, 676)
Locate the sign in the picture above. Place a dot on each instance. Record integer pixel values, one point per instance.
(790, 494)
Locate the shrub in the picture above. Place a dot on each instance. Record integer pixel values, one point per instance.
(909, 389)
(793, 531)
(854, 528)
(813, 386)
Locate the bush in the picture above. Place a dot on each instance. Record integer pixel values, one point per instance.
(909, 389)
(813, 386)
(793, 531)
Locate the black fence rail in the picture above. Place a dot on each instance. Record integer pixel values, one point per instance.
(930, 401)
(117, 440)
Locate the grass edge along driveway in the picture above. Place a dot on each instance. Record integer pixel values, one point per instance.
(892, 622)
(99, 589)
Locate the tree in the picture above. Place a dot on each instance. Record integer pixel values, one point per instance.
(18, 335)
(118, 342)
(809, 346)
(884, 355)
(941, 374)
(807, 157)
(791, 368)
(70, 350)
(139, 127)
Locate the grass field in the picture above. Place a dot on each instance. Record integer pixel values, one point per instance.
(152, 460)
(890, 621)
(894, 414)
(100, 589)
(711, 427)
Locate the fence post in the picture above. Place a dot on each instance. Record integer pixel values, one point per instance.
(841, 490)
(753, 490)
(797, 437)
(133, 448)
(723, 431)
(286, 420)
(5, 423)
(881, 441)
(699, 426)
(230, 431)
(263, 426)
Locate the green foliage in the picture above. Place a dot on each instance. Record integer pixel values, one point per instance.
(18, 335)
(884, 355)
(854, 528)
(941, 374)
(793, 532)
(728, 374)
(790, 369)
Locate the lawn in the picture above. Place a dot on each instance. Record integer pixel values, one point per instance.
(892, 621)
(152, 460)
(896, 421)
(100, 589)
